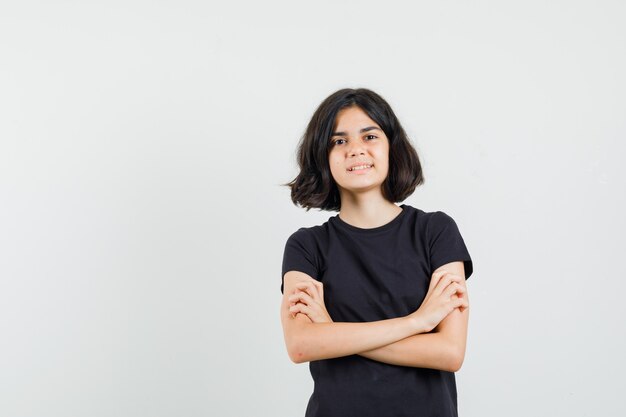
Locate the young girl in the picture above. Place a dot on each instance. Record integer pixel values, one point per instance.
(375, 298)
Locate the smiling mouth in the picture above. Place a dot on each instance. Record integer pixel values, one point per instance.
(360, 168)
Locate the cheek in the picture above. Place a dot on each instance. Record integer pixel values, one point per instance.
(334, 164)
(335, 168)
(383, 157)
(385, 164)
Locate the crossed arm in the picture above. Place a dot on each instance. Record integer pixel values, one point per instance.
(399, 341)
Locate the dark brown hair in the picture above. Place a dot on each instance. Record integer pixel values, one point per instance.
(314, 187)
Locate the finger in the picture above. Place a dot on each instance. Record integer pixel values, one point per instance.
(434, 280)
(293, 297)
(295, 302)
(309, 287)
(312, 280)
(443, 283)
(300, 308)
(464, 303)
(320, 288)
(298, 284)
(446, 280)
(449, 291)
(315, 289)
(305, 287)
(458, 302)
(304, 297)
(461, 280)
(453, 276)
(439, 276)
(453, 289)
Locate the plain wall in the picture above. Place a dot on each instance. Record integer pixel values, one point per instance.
(142, 221)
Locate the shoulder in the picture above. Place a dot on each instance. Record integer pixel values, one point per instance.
(302, 253)
(310, 240)
(439, 219)
(314, 233)
(434, 218)
(439, 223)
(429, 220)
(306, 234)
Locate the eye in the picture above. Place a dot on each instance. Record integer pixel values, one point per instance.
(372, 136)
(338, 140)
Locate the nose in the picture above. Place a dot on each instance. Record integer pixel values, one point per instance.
(356, 147)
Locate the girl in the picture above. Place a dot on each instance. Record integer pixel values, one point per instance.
(375, 298)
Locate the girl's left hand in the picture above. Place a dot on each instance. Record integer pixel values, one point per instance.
(308, 298)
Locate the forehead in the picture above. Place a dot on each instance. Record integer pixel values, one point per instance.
(352, 117)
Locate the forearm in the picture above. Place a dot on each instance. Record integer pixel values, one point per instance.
(315, 341)
(425, 350)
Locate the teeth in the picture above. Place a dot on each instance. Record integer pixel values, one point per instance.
(360, 167)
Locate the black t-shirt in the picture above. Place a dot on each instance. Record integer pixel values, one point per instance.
(376, 274)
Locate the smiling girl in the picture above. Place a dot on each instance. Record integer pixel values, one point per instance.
(375, 298)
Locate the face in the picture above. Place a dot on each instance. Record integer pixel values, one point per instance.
(357, 141)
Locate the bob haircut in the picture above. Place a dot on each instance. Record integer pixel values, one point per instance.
(314, 187)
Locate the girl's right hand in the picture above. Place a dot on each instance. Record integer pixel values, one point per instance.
(445, 293)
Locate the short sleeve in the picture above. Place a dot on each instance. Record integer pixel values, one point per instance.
(446, 243)
(299, 255)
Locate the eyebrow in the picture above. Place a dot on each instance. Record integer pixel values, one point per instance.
(365, 129)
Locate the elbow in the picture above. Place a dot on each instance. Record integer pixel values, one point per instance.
(455, 365)
(298, 340)
(453, 352)
(297, 346)
(297, 357)
(456, 359)
(296, 352)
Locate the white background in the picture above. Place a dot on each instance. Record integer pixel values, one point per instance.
(142, 221)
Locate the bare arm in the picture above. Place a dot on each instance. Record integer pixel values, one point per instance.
(443, 349)
(308, 341)
(454, 327)
(426, 350)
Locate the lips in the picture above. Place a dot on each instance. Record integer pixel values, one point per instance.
(359, 164)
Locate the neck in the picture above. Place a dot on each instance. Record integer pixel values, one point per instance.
(367, 213)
